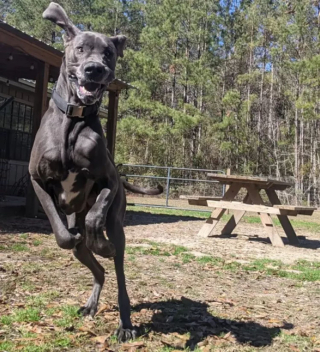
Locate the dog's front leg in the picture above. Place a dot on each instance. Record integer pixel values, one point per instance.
(95, 221)
(64, 238)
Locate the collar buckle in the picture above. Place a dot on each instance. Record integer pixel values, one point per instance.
(74, 110)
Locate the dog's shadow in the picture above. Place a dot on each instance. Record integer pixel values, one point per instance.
(186, 316)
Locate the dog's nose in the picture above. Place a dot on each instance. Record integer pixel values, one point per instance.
(94, 70)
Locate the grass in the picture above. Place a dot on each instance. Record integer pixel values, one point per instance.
(29, 342)
(304, 343)
(7, 346)
(41, 300)
(38, 309)
(174, 212)
(156, 251)
(19, 247)
(28, 286)
(300, 270)
(70, 316)
(26, 315)
(37, 243)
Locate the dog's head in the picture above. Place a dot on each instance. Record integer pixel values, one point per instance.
(90, 57)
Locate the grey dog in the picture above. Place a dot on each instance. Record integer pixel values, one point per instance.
(71, 169)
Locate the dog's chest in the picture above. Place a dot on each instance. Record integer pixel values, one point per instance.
(70, 187)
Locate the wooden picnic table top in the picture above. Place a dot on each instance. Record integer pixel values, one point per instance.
(261, 182)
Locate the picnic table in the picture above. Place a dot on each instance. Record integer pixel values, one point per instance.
(253, 202)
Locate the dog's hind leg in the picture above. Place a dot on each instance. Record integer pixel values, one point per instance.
(114, 225)
(85, 256)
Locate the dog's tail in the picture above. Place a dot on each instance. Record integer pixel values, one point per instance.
(136, 189)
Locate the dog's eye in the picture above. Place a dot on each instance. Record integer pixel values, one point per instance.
(80, 49)
(108, 54)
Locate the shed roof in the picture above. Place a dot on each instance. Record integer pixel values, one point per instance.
(22, 52)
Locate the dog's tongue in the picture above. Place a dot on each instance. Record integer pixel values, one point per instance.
(89, 88)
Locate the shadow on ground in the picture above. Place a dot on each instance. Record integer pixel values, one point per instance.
(303, 241)
(21, 224)
(144, 218)
(188, 316)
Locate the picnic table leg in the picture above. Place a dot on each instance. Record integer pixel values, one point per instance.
(235, 218)
(284, 220)
(266, 219)
(216, 215)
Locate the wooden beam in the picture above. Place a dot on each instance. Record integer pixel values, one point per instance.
(15, 38)
(112, 121)
(289, 207)
(284, 221)
(266, 219)
(15, 74)
(245, 207)
(261, 182)
(207, 229)
(235, 218)
(40, 107)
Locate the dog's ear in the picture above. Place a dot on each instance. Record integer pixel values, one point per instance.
(56, 14)
(119, 42)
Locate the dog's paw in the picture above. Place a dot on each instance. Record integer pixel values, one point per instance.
(87, 310)
(124, 335)
(69, 239)
(76, 235)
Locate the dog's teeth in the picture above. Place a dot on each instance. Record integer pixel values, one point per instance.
(83, 90)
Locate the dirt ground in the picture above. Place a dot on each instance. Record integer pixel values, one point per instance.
(187, 293)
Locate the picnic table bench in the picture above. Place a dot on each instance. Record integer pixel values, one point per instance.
(198, 200)
(253, 202)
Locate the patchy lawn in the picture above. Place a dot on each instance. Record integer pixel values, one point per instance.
(187, 293)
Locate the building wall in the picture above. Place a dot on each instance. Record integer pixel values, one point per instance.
(23, 95)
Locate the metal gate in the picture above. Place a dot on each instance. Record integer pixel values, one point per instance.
(175, 181)
(15, 146)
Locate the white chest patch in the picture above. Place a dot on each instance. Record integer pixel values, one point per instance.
(67, 185)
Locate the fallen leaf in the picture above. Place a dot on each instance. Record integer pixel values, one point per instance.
(109, 316)
(100, 339)
(87, 330)
(173, 342)
(182, 337)
(206, 349)
(203, 343)
(103, 308)
(274, 321)
(132, 344)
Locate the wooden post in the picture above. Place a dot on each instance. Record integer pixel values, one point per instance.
(40, 107)
(228, 174)
(235, 218)
(266, 219)
(207, 229)
(112, 120)
(284, 220)
(227, 186)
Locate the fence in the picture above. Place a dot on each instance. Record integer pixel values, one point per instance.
(176, 182)
(14, 178)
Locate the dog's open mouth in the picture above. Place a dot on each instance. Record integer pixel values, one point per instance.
(89, 89)
(88, 93)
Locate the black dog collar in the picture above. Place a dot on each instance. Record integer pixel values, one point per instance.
(72, 110)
